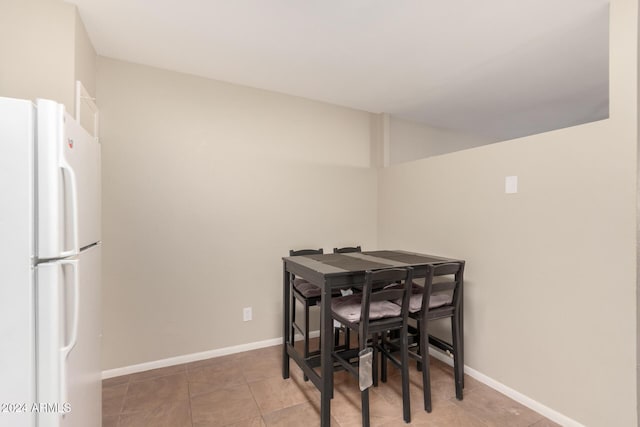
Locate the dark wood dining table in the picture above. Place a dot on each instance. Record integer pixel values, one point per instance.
(331, 272)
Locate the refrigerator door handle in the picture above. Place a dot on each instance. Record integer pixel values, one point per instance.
(73, 217)
(73, 336)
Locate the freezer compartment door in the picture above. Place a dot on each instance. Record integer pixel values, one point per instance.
(68, 341)
(68, 184)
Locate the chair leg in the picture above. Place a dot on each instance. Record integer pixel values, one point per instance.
(347, 338)
(364, 394)
(306, 330)
(365, 407)
(404, 358)
(458, 367)
(426, 375)
(306, 334)
(383, 361)
(293, 319)
(346, 332)
(374, 367)
(419, 338)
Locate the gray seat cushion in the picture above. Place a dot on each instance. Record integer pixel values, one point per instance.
(415, 302)
(349, 306)
(308, 290)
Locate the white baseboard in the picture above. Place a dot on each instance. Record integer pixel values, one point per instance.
(186, 358)
(194, 357)
(553, 415)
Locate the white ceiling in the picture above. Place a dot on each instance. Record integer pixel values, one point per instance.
(496, 68)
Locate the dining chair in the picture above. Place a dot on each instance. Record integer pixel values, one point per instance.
(372, 313)
(308, 294)
(347, 333)
(347, 249)
(439, 298)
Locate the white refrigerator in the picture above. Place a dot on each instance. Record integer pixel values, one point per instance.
(50, 318)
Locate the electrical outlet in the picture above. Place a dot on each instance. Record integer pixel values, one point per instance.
(247, 314)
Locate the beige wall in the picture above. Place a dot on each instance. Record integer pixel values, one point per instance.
(43, 50)
(206, 186)
(410, 140)
(550, 304)
(37, 50)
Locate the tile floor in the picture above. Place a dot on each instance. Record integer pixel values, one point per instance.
(247, 389)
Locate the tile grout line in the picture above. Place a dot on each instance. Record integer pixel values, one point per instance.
(254, 399)
(124, 398)
(189, 395)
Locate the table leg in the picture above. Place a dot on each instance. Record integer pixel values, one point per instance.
(326, 364)
(461, 317)
(286, 302)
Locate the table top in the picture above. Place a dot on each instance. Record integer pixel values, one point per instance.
(328, 265)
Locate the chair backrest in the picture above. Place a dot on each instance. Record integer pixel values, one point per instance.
(306, 252)
(347, 249)
(302, 252)
(452, 274)
(375, 289)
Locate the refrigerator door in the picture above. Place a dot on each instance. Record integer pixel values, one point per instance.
(17, 309)
(68, 341)
(68, 184)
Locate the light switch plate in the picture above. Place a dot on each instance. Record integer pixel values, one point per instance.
(511, 184)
